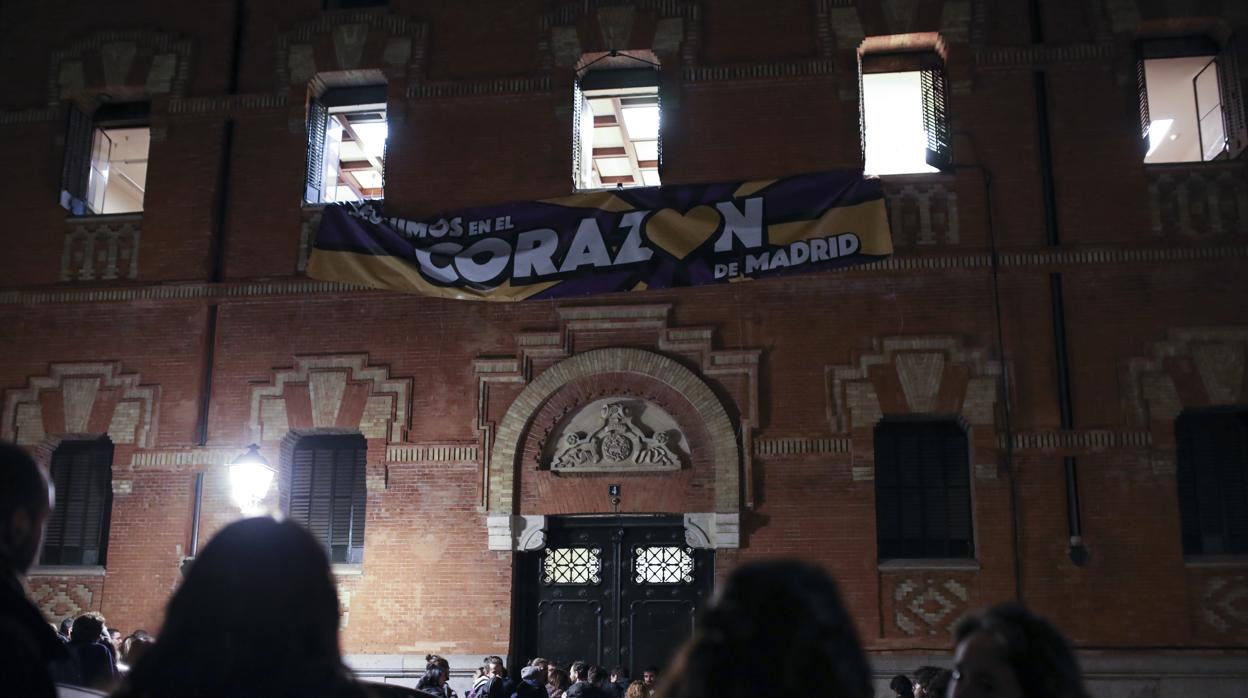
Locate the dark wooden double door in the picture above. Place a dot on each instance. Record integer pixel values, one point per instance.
(611, 591)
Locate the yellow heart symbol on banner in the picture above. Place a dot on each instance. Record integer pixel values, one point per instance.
(679, 235)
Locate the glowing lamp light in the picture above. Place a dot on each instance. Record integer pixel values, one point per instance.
(250, 477)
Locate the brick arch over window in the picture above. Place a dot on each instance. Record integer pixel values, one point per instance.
(920, 375)
(1193, 367)
(82, 398)
(337, 391)
(347, 41)
(127, 64)
(721, 437)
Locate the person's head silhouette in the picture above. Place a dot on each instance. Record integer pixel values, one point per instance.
(256, 615)
(786, 616)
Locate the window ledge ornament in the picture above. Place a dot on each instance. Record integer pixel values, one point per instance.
(519, 533)
(617, 444)
(713, 530)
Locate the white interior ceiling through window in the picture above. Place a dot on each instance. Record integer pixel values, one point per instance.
(626, 136)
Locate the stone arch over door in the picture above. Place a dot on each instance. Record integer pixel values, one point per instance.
(726, 454)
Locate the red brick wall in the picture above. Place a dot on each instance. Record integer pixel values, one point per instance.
(428, 582)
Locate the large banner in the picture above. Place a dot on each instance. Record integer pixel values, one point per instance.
(616, 240)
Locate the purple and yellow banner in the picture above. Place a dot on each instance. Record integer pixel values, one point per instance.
(617, 240)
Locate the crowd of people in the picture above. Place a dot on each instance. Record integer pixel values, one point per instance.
(257, 615)
(540, 678)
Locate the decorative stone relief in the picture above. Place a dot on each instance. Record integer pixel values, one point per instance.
(93, 397)
(516, 532)
(1198, 203)
(104, 248)
(1224, 603)
(62, 599)
(713, 530)
(334, 391)
(107, 61)
(545, 363)
(923, 366)
(356, 40)
(1215, 355)
(608, 436)
(929, 606)
(922, 212)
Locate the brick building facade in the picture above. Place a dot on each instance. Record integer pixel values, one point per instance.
(1065, 328)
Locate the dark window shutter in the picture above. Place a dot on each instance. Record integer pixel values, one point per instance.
(579, 151)
(1212, 481)
(1141, 82)
(328, 494)
(77, 532)
(659, 98)
(922, 490)
(76, 164)
(936, 116)
(1231, 87)
(862, 118)
(318, 115)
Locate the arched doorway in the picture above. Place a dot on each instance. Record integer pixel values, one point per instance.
(610, 590)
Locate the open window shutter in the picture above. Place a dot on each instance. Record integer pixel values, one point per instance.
(358, 497)
(318, 114)
(76, 165)
(887, 495)
(862, 118)
(659, 97)
(340, 529)
(935, 116)
(99, 462)
(582, 140)
(1141, 83)
(1231, 87)
(321, 501)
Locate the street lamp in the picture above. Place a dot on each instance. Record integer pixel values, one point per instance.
(250, 476)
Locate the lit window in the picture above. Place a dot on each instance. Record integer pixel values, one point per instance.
(105, 168)
(904, 117)
(572, 566)
(617, 141)
(1186, 90)
(347, 134)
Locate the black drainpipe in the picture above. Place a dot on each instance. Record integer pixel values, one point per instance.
(1076, 550)
(216, 272)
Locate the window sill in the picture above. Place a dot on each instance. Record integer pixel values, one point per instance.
(907, 177)
(66, 571)
(929, 564)
(1194, 165)
(1215, 561)
(341, 570)
(105, 218)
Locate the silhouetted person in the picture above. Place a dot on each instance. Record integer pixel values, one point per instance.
(786, 617)
(582, 686)
(28, 646)
(637, 689)
(650, 677)
(901, 686)
(91, 655)
(257, 615)
(930, 682)
(532, 683)
(557, 683)
(432, 681)
(438, 687)
(1009, 652)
